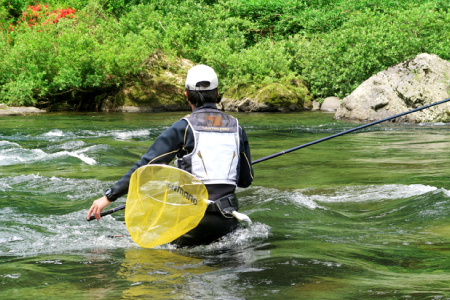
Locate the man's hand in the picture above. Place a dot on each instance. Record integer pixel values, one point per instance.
(97, 207)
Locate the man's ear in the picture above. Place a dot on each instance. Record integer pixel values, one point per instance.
(218, 97)
(187, 99)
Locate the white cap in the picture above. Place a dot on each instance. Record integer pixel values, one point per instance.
(201, 73)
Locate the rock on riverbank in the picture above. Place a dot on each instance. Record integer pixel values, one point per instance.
(18, 111)
(162, 89)
(292, 95)
(411, 84)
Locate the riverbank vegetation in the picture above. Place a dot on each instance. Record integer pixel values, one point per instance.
(76, 50)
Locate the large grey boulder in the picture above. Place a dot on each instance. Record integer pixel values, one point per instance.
(416, 82)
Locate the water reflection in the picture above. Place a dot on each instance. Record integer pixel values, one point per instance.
(159, 273)
(187, 274)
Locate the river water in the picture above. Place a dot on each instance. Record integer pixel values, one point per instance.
(362, 216)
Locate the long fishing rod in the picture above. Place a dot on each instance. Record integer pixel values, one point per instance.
(108, 212)
(347, 131)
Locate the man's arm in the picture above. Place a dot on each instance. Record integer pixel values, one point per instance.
(245, 163)
(162, 151)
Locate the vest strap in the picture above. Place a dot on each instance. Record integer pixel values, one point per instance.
(226, 204)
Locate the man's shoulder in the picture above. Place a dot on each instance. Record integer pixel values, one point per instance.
(180, 123)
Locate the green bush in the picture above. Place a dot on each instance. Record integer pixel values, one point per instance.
(14, 8)
(263, 63)
(335, 63)
(91, 53)
(334, 45)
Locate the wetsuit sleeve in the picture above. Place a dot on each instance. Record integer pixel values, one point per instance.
(245, 163)
(162, 151)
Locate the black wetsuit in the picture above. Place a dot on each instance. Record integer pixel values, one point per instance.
(177, 141)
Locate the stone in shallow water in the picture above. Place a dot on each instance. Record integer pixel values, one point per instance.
(330, 104)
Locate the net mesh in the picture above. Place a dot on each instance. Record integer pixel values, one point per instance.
(163, 203)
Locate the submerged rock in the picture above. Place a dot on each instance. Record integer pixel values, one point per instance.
(411, 84)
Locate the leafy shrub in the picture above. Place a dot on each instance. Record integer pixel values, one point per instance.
(335, 63)
(70, 59)
(334, 45)
(14, 8)
(261, 64)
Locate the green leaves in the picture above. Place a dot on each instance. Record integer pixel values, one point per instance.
(81, 55)
(336, 62)
(333, 45)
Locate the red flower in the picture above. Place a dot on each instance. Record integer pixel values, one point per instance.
(33, 15)
(35, 8)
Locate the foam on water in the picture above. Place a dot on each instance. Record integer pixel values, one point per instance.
(261, 195)
(58, 135)
(30, 230)
(126, 134)
(241, 238)
(27, 232)
(6, 145)
(71, 233)
(66, 188)
(4, 186)
(72, 145)
(372, 193)
(31, 234)
(312, 198)
(13, 153)
(55, 133)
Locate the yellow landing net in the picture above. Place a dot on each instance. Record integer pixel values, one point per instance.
(163, 203)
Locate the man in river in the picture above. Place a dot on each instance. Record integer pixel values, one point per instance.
(187, 141)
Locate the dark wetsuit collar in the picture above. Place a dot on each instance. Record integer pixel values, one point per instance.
(206, 105)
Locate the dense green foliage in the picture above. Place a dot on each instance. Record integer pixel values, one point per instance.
(333, 45)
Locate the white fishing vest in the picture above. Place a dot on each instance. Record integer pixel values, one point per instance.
(215, 157)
